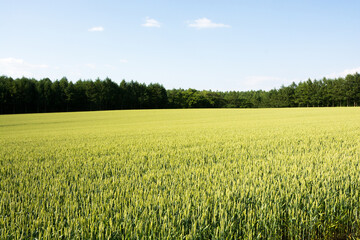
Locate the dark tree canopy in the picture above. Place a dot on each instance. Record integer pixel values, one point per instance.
(24, 95)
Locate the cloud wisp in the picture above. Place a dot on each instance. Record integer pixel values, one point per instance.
(265, 82)
(96, 29)
(150, 22)
(15, 67)
(206, 23)
(344, 73)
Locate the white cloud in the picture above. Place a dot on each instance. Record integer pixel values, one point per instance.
(150, 22)
(123, 60)
(343, 73)
(90, 65)
(109, 66)
(207, 23)
(265, 82)
(14, 67)
(15, 61)
(96, 29)
(11, 61)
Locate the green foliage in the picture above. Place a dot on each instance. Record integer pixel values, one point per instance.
(181, 174)
(29, 95)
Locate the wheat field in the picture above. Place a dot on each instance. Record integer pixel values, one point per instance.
(181, 174)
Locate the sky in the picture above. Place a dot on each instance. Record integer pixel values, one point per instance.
(202, 44)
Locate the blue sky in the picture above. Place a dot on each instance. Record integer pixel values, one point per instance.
(218, 45)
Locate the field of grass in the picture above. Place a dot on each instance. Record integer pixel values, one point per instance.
(181, 174)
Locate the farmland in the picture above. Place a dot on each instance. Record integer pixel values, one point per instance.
(181, 174)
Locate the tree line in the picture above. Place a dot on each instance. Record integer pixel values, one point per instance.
(25, 95)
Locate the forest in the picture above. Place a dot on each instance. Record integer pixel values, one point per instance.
(28, 95)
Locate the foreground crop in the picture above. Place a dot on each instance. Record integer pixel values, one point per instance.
(195, 174)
